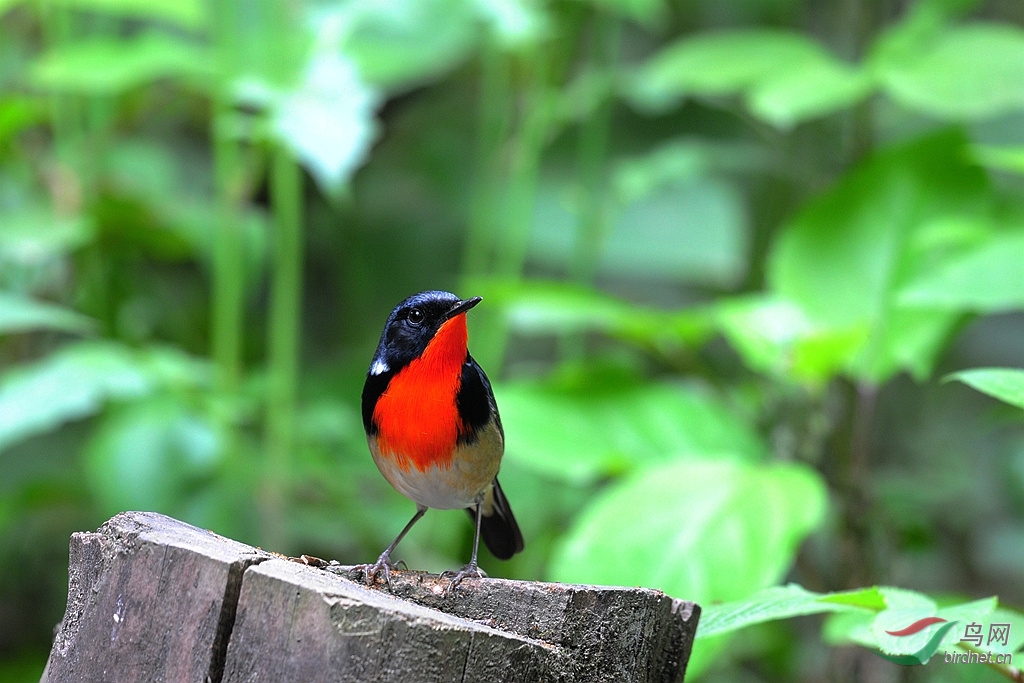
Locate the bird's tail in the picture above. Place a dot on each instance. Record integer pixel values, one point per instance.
(498, 525)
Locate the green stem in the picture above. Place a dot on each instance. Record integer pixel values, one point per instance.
(228, 261)
(592, 158)
(514, 216)
(228, 280)
(492, 135)
(285, 326)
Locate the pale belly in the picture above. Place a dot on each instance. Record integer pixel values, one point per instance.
(472, 469)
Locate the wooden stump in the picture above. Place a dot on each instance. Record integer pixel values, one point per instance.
(153, 599)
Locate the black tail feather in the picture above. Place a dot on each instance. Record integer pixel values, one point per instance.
(498, 526)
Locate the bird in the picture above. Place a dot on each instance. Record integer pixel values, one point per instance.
(433, 428)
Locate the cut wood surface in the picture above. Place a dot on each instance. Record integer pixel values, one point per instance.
(154, 599)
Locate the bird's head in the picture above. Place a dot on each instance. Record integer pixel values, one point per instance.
(416, 323)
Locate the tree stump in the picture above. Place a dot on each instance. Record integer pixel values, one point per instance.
(154, 599)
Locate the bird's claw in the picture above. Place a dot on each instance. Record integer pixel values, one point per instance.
(383, 565)
(471, 570)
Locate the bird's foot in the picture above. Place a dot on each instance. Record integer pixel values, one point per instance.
(383, 565)
(471, 570)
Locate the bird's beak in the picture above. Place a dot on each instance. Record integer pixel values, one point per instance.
(463, 306)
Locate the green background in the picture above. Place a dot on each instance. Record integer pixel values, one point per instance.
(728, 252)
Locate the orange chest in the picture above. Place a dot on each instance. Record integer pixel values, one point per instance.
(417, 416)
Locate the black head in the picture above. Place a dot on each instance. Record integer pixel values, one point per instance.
(412, 325)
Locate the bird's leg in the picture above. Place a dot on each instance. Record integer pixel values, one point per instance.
(383, 565)
(471, 569)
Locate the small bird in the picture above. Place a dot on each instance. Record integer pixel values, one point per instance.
(433, 427)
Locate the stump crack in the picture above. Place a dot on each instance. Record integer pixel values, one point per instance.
(228, 610)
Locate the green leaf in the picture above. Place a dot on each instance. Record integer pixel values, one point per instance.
(986, 279)
(777, 337)
(189, 14)
(402, 42)
(151, 455)
(845, 257)
(780, 602)
(328, 120)
(1003, 157)
(844, 628)
(541, 307)
(103, 66)
(902, 608)
(868, 598)
(77, 381)
(722, 63)
(584, 428)
(22, 314)
(36, 236)
(702, 530)
(817, 88)
(786, 77)
(712, 530)
(963, 72)
(1006, 384)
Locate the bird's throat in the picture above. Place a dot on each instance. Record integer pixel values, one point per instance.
(417, 415)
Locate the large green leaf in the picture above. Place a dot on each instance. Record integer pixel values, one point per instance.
(782, 602)
(702, 530)
(150, 455)
(785, 76)
(103, 66)
(844, 258)
(777, 337)
(20, 314)
(542, 307)
(705, 530)
(584, 429)
(987, 279)
(722, 63)
(79, 379)
(1006, 384)
(816, 88)
(963, 72)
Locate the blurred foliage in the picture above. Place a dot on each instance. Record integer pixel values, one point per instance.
(728, 251)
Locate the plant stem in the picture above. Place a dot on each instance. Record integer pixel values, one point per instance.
(492, 135)
(285, 326)
(228, 263)
(515, 216)
(592, 157)
(228, 280)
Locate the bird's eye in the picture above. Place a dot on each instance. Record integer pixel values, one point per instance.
(415, 317)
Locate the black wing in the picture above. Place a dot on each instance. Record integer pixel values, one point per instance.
(476, 401)
(372, 390)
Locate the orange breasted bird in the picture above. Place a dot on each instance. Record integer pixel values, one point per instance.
(433, 427)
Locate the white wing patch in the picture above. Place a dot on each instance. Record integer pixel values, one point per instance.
(378, 367)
